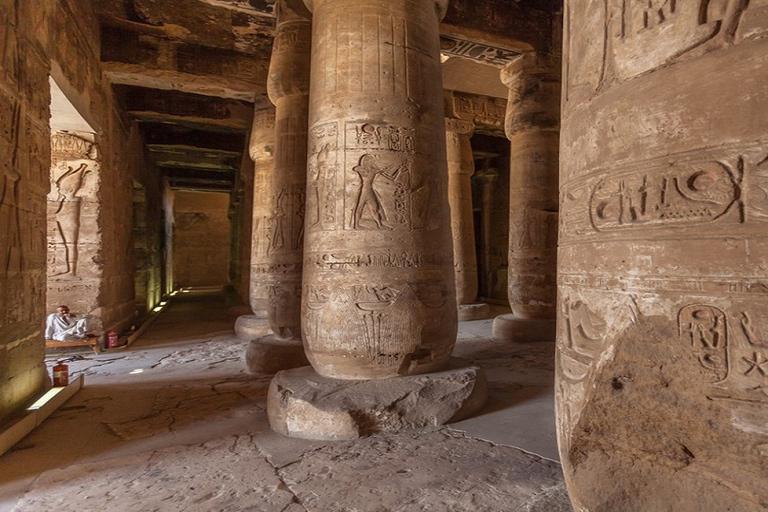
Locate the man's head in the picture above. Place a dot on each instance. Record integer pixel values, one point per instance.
(62, 310)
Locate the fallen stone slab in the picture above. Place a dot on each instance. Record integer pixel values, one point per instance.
(301, 403)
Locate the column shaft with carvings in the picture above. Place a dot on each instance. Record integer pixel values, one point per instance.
(532, 126)
(288, 89)
(379, 298)
(461, 166)
(379, 301)
(261, 151)
(662, 361)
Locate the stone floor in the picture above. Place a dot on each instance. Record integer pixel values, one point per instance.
(175, 423)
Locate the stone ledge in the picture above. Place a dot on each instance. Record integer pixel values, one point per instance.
(302, 404)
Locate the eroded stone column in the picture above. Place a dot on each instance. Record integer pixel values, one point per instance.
(532, 126)
(461, 167)
(379, 293)
(288, 89)
(663, 321)
(261, 151)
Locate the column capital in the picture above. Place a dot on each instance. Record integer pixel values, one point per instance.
(460, 126)
(535, 64)
(534, 93)
(289, 65)
(441, 7)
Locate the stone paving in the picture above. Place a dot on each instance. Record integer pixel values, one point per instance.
(175, 422)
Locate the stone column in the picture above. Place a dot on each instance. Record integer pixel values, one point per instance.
(461, 167)
(379, 294)
(261, 151)
(532, 126)
(288, 89)
(663, 312)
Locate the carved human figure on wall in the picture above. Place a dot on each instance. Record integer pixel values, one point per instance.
(10, 228)
(68, 212)
(368, 198)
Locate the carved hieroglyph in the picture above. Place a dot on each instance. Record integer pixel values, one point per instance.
(261, 151)
(379, 297)
(461, 167)
(532, 126)
(662, 374)
(288, 88)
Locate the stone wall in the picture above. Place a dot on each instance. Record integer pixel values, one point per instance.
(58, 37)
(663, 312)
(200, 239)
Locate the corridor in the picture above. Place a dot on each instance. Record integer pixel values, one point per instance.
(176, 423)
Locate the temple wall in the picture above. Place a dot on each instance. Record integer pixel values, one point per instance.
(662, 371)
(200, 239)
(61, 38)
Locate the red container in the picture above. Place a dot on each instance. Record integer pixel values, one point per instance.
(60, 375)
(111, 339)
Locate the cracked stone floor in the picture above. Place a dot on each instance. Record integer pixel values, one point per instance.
(176, 423)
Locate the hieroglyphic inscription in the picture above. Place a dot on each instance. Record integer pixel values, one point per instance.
(652, 33)
(11, 247)
(322, 171)
(582, 340)
(680, 195)
(285, 230)
(389, 319)
(736, 359)
(484, 53)
(705, 328)
(390, 259)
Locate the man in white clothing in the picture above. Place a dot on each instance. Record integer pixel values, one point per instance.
(62, 326)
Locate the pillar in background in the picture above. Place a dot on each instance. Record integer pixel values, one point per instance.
(533, 128)
(461, 167)
(288, 89)
(662, 355)
(261, 151)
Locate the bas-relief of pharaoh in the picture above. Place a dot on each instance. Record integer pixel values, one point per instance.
(641, 35)
(285, 228)
(385, 188)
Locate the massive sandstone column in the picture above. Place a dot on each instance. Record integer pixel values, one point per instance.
(461, 167)
(379, 295)
(261, 151)
(288, 89)
(532, 126)
(662, 375)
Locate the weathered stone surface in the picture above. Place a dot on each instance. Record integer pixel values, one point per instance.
(379, 298)
(249, 327)
(270, 354)
(661, 364)
(514, 328)
(303, 404)
(476, 311)
(288, 88)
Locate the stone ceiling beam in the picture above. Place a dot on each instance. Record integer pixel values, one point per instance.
(148, 60)
(504, 24)
(168, 134)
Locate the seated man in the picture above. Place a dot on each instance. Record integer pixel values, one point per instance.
(62, 326)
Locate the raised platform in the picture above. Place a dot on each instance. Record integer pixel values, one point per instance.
(302, 404)
(90, 341)
(476, 311)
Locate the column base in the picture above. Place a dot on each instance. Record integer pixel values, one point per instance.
(523, 330)
(271, 355)
(250, 327)
(303, 404)
(476, 311)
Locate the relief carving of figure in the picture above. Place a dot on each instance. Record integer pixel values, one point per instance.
(68, 213)
(10, 226)
(368, 198)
